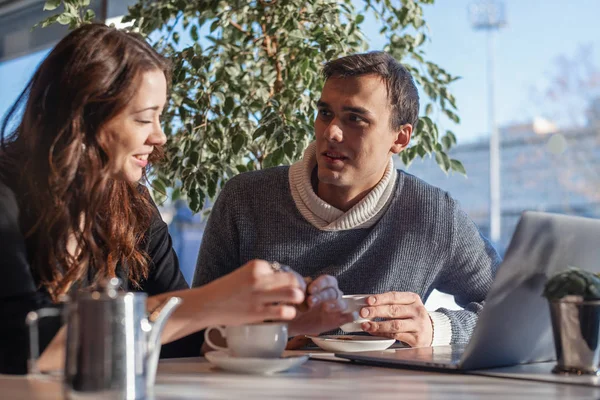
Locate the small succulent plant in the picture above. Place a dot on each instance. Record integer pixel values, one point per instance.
(574, 281)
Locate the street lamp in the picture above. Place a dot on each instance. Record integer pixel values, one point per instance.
(488, 15)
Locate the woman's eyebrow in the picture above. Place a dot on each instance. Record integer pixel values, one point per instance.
(146, 109)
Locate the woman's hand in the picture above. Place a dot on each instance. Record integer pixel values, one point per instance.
(252, 293)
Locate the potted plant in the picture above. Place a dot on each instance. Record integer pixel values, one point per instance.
(247, 75)
(574, 297)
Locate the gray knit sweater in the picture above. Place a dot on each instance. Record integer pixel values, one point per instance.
(422, 242)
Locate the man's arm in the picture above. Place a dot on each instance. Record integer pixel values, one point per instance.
(470, 266)
(219, 251)
(467, 275)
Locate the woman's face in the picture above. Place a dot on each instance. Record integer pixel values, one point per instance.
(131, 135)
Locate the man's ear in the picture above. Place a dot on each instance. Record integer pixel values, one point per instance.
(402, 138)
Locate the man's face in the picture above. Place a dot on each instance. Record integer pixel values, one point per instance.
(353, 133)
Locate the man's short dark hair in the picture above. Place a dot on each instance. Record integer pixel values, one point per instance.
(402, 92)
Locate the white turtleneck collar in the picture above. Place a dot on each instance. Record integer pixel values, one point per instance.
(323, 215)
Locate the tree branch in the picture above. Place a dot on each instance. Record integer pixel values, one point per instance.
(239, 28)
(279, 80)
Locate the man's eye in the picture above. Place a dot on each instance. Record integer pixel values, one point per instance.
(356, 118)
(324, 113)
(143, 121)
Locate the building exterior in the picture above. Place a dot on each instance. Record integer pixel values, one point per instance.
(541, 169)
(18, 16)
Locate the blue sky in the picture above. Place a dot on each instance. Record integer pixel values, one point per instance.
(538, 31)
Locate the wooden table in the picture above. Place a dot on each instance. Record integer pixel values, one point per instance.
(197, 379)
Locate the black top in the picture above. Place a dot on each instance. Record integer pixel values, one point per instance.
(19, 292)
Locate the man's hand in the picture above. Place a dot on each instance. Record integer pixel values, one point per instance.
(326, 309)
(407, 319)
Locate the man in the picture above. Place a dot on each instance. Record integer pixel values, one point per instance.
(344, 210)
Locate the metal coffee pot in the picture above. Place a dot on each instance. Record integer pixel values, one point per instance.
(112, 346)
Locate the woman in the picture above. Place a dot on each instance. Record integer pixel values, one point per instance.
(72, 213)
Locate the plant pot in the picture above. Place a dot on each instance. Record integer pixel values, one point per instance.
(576, 329)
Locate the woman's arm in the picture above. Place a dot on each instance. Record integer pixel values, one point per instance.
(18, 292)
(253, 293)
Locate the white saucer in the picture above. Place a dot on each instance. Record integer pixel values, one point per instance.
(351, 343)
(262, 366)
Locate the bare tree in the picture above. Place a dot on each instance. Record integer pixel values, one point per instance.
(571, 100)
(572, 86)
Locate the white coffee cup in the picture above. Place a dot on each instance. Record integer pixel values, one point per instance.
(264, 340)
(355, 303)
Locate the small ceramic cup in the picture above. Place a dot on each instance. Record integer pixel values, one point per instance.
(265, 340)
(355, 303)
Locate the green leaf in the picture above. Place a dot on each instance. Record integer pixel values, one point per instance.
(278, 156)
(183, 114)
(197, 62)
(219, 96)
(420, 126)
(428, 109)
(258, 132)
(359, 19)
(64, 19)
(51, 5)
(90, 15)
(214, 25)
(211, 189)
(305, 65)
(452, 116)
(443, 161)
(194, 158)
(402, 15)
(190, 103)
(238, 141)
(289, 148)
(159, 185)
(452, 137)
(426, 142)
(458, 167)
(194, 204)
(419, 39)
(213, 147)
(47, 22)
(447, 142)
(229, 103)
(194, 33)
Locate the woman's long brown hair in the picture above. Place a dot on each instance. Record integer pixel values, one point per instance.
(55, 164)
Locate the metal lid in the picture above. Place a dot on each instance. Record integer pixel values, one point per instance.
(109, 289)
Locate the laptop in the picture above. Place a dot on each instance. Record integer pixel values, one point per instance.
(514, 325)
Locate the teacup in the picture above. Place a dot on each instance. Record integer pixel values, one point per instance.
(264, 340)
(355, 303)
